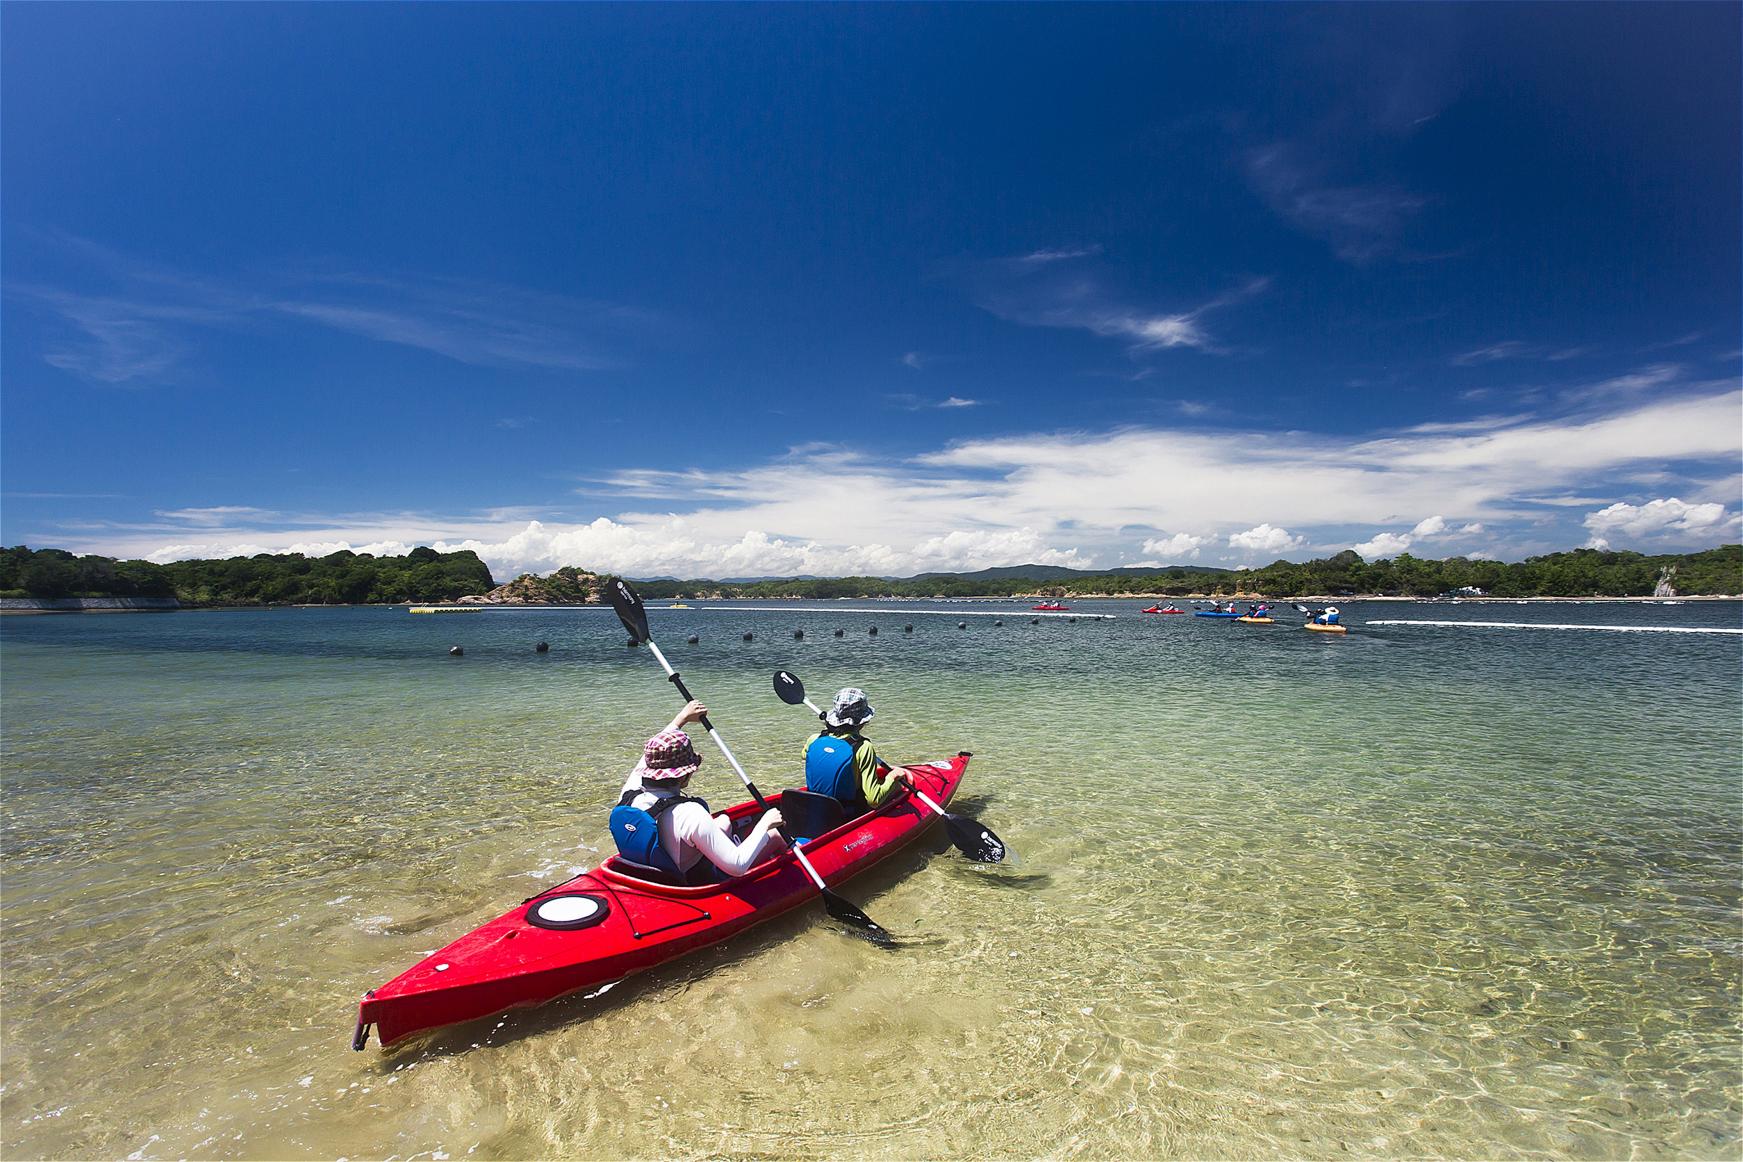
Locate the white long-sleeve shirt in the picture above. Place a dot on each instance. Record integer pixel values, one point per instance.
(688, 832)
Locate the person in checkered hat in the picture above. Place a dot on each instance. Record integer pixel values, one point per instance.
(688, 831)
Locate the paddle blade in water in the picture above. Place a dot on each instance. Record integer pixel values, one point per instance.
(974, 839)
(629, 608)
(850, 915)
(788, 688)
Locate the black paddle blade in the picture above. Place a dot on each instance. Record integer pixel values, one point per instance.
(788, 688)
(850, 915)
(974, 839)
(629, 608)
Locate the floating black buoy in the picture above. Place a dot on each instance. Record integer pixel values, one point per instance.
(798, 634)
(907, 629)
(455, 651)
(873, 631)
(692, 639)
(998, 622)
(839, 632)
(747, 637)
(1074, 621)
(962, 625)
(1034, 621)
(542, 648)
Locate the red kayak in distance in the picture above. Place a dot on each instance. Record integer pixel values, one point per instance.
(1051, 607)
(1154, 609)
(607, 924)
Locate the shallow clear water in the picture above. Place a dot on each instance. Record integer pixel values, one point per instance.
(1418, 891)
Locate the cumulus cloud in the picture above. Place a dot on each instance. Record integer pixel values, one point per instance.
(1657, 518)
(1180, 545)
(1389, 544)
(1383, 545)
(1265, 539)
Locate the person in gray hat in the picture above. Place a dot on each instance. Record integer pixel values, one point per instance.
(841, 762)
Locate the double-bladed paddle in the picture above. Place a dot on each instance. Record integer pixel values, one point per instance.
(971, 837)
(634, 616)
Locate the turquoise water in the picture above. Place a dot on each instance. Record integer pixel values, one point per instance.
(1420, 891)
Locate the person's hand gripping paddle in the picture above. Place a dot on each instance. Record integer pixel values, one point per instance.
(971, 837)
(634, 616)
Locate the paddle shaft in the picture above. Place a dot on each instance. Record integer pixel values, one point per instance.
(714, 733)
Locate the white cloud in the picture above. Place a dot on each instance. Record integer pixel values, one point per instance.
(913, 360)
(1030, 291)
(959, 402)
(1383, 545)
(1070, 497)
(1657, 518)
(1429, 527)
(1180, 545)
(1266, 539)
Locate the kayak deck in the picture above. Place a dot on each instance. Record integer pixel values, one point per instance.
(609, 923)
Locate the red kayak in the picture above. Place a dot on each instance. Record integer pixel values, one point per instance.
(606, 924)
(1154, 609)
(1051, 607)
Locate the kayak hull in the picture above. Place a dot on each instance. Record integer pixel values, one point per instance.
(1211, 613)
(1050, 608)
(1257, 620)
(614, 924)
(1326, 628)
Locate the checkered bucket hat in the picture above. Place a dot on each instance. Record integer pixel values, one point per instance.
(851, 708)
(668, 755)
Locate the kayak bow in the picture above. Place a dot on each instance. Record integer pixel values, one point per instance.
(607, 924)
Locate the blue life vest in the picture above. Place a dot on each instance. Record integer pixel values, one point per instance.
(830, 770)
(637, 829)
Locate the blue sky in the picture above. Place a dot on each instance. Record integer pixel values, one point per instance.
(738, 291)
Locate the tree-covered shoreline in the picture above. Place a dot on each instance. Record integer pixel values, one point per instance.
(341, 578)
(346, 578)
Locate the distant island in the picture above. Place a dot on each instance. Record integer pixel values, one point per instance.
(424, 575)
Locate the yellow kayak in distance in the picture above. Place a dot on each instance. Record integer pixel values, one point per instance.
(1326, 628)
(1257, 620)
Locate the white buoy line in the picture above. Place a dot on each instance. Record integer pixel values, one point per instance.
(1544, 625)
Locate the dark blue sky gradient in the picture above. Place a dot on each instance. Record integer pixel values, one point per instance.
(641, 236)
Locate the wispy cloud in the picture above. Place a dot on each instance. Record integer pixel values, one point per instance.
(217, 516)
(1360, 222)
(916, 403)
(1518, 349)
(149, 321)
(1039, 294)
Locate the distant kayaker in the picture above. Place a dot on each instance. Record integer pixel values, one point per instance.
(1327, 616)
(841, 762)
(687, 831)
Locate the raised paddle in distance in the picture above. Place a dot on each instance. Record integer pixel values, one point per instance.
(634, 616)
(971, 837)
